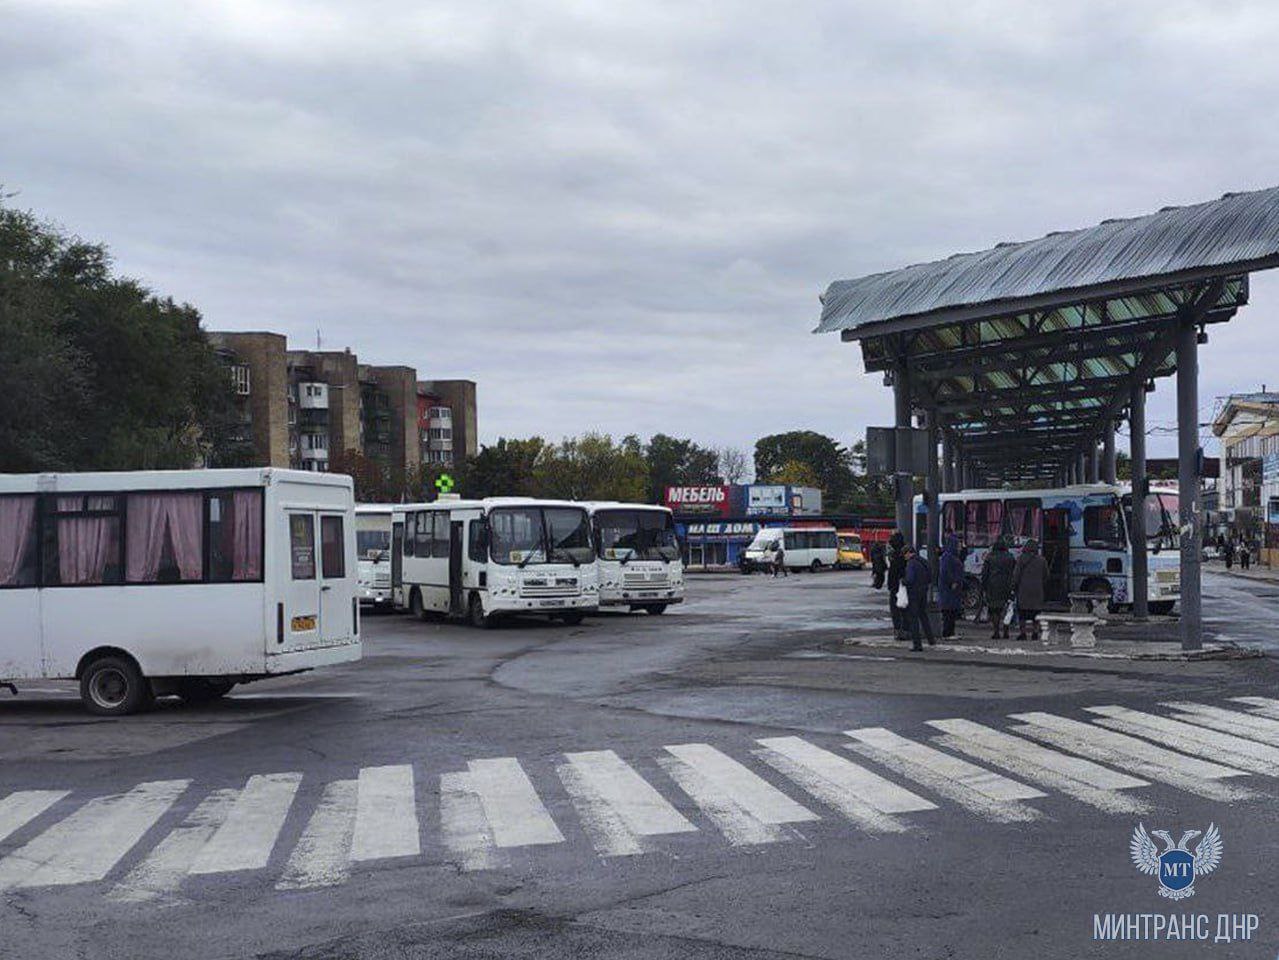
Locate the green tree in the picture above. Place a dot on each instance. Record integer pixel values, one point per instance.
(504, 469)
(593, 467)
(795, 473)
(677, 462)
(829, 464)
(96, 372)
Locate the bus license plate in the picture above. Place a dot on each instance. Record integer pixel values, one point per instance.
(303, 624)
(551, 603)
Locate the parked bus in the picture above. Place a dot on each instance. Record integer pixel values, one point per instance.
(373, 553)
(484, 559)
(805, 548)
(1082, 532)
(182, 582)
(638, 556)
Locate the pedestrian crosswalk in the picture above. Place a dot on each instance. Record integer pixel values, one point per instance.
(161, 842)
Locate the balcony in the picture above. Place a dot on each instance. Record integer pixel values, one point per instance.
(315, 454)
(313, 395)
(439, 444)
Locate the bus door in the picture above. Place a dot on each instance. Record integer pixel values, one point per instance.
(456, 548)
(1057, 552)
(397, 562)
(337, 609)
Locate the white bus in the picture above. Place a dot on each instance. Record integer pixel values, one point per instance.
(373, 553)
(182, 582)
(639, 560)
(1082, 532)
(804, 548)
(483, 559)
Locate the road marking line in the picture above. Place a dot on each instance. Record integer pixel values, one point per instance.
(386, 815)
(511, 805)
(984, 792)
(861, 796)
(617, 806)
(322, 857)
(1228, 721)
(87, 844)
(1239, 752)
(157, 878)
(21, 807)
(744, 806)
(463, 826)
(1076, 777)
(1131, 753)
(247, 836)
(1262, 706)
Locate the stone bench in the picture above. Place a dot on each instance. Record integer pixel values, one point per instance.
(1089, 604)
(1074, 629)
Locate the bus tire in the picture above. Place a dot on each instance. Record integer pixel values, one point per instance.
(200, 690)
(655, 609)
(416, 606)
(475, 614)
(113, 686)
(815, 566)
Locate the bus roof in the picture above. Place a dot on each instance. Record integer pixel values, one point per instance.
(488, 503)
(125, 480)
(593, 505)
(1079, 489)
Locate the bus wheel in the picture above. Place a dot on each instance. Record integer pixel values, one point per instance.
(416, 607)
(656, 609)
(475, 613)
(197, 690)
(112, 686)
(815, 566)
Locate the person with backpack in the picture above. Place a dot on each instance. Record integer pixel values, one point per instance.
(997, 585)
(917, 579)
(1030, 586)
(950, 586)
(896, 571)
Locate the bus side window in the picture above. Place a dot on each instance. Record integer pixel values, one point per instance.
(423, 533)
(477, 540)
(952, 519)
(440, 534)
(410, 534)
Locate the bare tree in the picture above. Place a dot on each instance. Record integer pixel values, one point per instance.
(733, 464)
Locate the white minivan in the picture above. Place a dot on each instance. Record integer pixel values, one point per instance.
(804, 548)
(179, 582)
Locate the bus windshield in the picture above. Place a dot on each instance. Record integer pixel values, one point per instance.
(524, 535)
(373, 544)
(636, 535)
(1161, 517)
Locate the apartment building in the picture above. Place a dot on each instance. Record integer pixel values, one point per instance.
(1247, 425)
(306, 408)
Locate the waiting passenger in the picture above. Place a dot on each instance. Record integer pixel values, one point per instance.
(1030, 584)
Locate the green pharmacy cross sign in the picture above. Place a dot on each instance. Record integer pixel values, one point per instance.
(444, 483)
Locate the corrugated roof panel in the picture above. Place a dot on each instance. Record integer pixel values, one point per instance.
(1240, 228)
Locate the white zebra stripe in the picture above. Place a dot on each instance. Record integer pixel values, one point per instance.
(247, 836)
(1262, 706)
(1132, 753)
(86, 845)
(744, 806)
(1237, 751)
(515, 813)
(463, 827)
(322, 856)
(386, 822)
(1228, 721)
(982, 791)
(617, 806)
(1076, 777)
(21, 807)
(158, 878)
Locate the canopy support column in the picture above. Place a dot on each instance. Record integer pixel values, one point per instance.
(904, 490)
(947, 462)
(1109, 466)
(1137, 451)
(1188, 483)
(932, 483)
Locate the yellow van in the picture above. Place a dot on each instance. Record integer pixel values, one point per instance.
(850, 555)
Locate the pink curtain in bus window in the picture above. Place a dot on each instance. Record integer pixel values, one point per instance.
(246, 527)
(994, 520)
(85, 546)
(17, 526)
(155, 518)
(1024, 521)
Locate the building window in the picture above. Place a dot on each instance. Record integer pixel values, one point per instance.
(240, 379)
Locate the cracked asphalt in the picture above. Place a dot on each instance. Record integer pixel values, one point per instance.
(746, 659)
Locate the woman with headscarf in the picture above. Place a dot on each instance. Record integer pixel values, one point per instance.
(917, 579)
(950, 586)
(1030, 584)
(997, 585)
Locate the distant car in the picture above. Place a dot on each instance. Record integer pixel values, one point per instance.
(850, 555)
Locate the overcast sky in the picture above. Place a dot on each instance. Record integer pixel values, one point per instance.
(618, 216)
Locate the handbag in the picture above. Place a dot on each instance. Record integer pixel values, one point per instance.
(1010, 612)
(903, 597)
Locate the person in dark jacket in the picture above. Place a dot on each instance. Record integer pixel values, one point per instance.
(950, 586)
(896, 570)
(878, 565)
(1030, 584)
(779, 560)
(1230, 554)
(917, 578)
(997, 585)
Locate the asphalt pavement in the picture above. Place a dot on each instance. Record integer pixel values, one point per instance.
(727, 780)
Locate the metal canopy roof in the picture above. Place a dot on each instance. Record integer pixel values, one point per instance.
(1025, 351)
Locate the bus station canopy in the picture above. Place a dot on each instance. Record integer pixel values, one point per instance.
(1024, 352)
